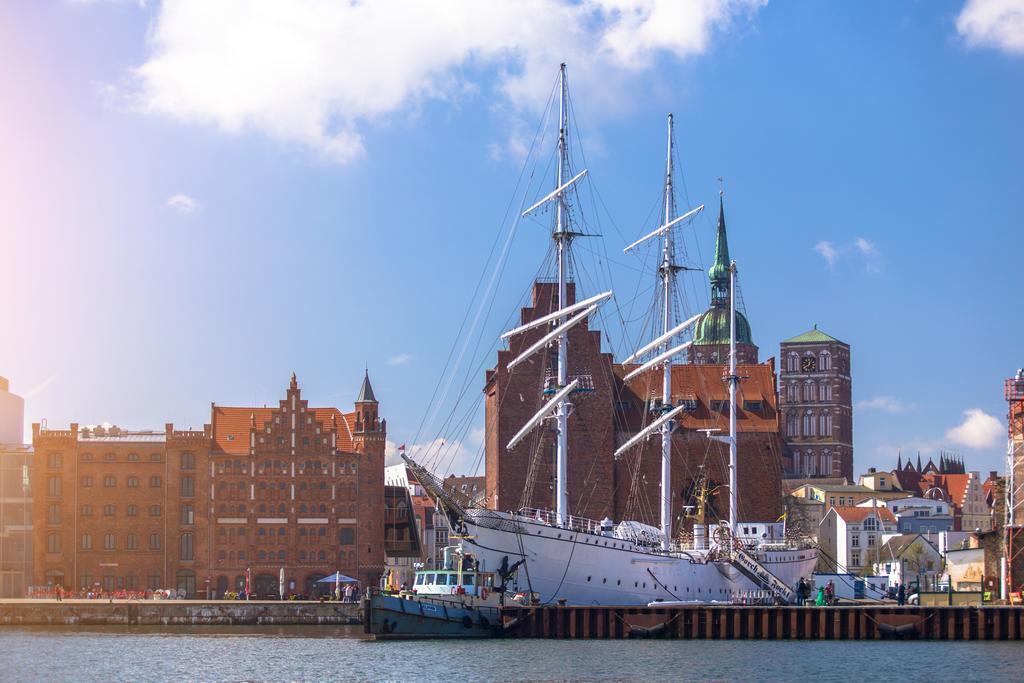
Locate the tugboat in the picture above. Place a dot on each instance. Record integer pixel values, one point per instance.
(455, 601)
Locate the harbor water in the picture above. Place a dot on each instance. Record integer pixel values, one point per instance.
(321, 653)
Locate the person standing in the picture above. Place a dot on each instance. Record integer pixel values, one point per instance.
(901, 595)
(60, 593)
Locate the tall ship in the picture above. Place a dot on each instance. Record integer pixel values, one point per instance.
(694, 553)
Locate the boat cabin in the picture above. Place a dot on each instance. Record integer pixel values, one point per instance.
(451, 582)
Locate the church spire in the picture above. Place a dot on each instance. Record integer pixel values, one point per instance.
(366, 391)
(719, 271)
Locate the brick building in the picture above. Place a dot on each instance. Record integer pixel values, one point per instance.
(120, 510)
(607, 411)
(15, 519)
(816, 402)
(257, 490)
(299, 489)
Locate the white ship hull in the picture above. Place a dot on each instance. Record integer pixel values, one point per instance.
(584, 568)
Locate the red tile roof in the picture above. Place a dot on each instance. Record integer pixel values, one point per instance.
(231, 426)
(705, 383)
(859, 514)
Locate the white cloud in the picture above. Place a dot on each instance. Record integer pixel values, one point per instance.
(978, 430)
(314, 72)
(997, 24)
(828, 252)
(400, 359)
(182, 203)
(886, 404)
(865, 247)
(442, 456)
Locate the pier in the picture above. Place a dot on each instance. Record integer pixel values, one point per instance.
(707, 622)
(177, 613)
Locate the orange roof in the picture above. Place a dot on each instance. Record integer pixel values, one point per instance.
(956, 486)
(705, 383)
(859, 514)
(231, 426)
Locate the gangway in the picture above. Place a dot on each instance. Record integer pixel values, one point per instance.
(734, 553)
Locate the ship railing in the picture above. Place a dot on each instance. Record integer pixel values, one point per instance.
(575, 523)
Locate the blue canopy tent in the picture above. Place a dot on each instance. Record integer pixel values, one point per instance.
(338, 577)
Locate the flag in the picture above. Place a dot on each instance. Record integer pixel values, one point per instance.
(402, 448)
(248, 582)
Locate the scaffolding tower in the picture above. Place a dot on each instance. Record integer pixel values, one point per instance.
(1013, 530)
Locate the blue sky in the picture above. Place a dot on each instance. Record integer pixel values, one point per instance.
(195, 201)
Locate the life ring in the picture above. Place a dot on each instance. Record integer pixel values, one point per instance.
(484, 592)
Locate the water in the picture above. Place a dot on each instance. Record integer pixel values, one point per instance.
(339, 654)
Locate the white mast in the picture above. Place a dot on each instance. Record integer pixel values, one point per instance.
(733, 381)
(667, 271)
(562, 237)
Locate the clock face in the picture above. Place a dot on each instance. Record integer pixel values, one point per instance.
(808, 364)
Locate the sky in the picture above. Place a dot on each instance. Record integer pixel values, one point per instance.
(199, 197)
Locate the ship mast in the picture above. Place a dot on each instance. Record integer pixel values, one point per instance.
(667, 271)
(562, 238)
(733, 380)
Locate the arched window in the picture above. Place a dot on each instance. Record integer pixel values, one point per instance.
(824, 361)
(826, 391)
(186, 546)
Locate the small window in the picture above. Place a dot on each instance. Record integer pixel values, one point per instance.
(154, 541)
(154, 511)
(188, 487)
(131, 542)
(753, 406)
(719, 406)
(132, 510)
(187, 514)
(133, 457)
(109, 481)
(53, 461)
(186, 546)
(86, 541)
(109, 457)
(188, 461)
(109, 510)
(155, 481)
(109, 542)
(156, 457)
(87, 510)
(53, 486)
(53, 543)
(132, 482)
(53, 513)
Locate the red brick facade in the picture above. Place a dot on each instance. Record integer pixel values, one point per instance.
(119, 510)
(815, 396)
(607, 414)
(258, 490)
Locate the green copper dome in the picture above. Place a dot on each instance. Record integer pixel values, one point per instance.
(713, 328)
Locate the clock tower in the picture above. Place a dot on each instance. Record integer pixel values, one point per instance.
(816, 404)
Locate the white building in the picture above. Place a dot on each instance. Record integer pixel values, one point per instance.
(909, 558)
(851, 537)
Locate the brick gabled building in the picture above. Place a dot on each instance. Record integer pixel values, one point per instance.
(297, 488)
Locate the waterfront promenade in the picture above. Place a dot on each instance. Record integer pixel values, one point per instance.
(34, 612)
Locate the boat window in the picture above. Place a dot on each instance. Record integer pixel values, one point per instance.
(467, 580)
(429, 579)
(419, 579)
(453, 579)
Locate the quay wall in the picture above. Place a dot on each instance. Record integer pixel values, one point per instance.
(176, 612)
(770, 623)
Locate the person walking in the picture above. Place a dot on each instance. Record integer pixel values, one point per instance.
(830, 593)
(901, 595)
